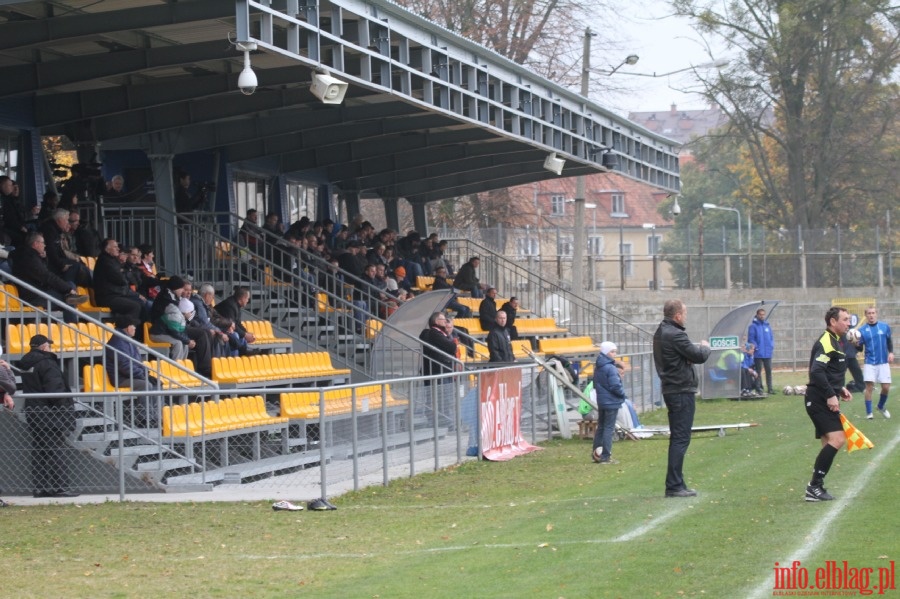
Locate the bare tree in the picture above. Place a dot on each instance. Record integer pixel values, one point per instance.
(810, 97)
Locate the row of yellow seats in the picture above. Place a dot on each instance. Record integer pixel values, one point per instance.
(262, 330)
(82, 336)
(568, 345)
(96, 380)
(91, 304)
(519, 347)
(9, 300)
(171, 377)
(536, 326)
(305, 404)
(274, 367)
(473, 325)
(231, 414)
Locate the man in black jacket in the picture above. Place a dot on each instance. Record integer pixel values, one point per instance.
(487, 309)
(50, 421)
(674, 356)
(230, 308)
(438, 355)
(60, 264)
(30, 265)
(511, 308)
(111, 287)
(499, 346)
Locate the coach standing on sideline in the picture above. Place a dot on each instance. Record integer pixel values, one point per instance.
(760, 335)
(827, 368)
(674, 355)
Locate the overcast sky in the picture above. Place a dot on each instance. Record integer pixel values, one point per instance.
(664, 44)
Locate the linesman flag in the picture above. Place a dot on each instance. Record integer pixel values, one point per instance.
(855, 438)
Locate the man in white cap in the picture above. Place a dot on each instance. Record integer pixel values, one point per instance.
(610, 397)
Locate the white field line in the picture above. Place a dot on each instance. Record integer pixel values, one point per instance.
(809, 542)
(628, 536)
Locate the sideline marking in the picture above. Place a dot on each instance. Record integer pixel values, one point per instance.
(628, 536)
(809, 540)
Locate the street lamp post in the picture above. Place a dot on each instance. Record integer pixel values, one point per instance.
(709, 206)
(577, 259)
(653, 247)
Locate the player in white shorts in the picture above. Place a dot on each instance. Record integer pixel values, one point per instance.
(875, 337)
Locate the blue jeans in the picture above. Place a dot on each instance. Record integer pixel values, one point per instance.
(606, 426)
(681, 418)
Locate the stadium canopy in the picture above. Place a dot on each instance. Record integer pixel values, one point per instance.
(428, 115)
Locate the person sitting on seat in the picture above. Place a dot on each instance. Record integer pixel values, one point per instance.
(30, 265)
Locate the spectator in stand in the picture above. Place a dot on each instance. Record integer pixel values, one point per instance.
(511, 308)
(438, 357)
(184, 201)
(230, 308)
(30, 265)
(440, 282)
(111, 286)
(48, 205)
(225, 341)
(467, 280)
(167, 323)
(250, 235)
(13, 211)
(273, 227)
(760, 335)
(147, 264)
(125, 368)
(376, 254)
(69, 239)
(115, 188)
(72, 270)
(487, 309)
(353, 261)
(498, 342)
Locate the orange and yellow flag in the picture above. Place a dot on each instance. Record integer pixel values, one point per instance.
(855, 438)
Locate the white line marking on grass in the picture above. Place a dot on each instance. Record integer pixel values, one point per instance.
(629, 536)
(836, 509)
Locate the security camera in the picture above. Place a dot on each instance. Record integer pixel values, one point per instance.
(247, 81)
(676, 209)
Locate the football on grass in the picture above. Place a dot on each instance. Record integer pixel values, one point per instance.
(788, 390)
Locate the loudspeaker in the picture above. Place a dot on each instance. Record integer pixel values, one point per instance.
(554, 164)
(328, 89)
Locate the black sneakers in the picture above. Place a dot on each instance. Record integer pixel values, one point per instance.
(320, 505)
(682, 493)
(817, 493)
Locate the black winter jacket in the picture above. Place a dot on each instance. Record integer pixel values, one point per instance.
(674, 355)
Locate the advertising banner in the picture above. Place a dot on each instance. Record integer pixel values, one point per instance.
(501, 411)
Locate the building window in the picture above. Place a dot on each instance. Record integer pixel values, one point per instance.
(301, 201)
(618, 205)
(653, 242)
(564, 246)
(558, 205)
(527, 246)
(626, 249)
(249, 192)
(595, 245)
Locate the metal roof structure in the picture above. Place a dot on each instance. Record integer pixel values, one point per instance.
(428, 115)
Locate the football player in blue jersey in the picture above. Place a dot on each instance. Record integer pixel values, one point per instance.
(875, 338)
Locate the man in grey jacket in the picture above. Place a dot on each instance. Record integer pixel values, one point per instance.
(675, 355)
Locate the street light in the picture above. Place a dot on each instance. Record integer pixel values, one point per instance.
(716, 64)
(709, 206)
(653, 249)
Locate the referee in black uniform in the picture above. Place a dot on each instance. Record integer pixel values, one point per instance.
(827, 367)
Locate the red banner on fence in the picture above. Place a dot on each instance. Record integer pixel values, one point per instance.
(501, 411)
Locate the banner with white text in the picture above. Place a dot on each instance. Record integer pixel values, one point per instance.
(501, 411)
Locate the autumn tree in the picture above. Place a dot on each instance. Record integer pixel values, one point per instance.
(809, 97)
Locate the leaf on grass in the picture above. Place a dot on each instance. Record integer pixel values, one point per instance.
(544, 545)
(549, 527)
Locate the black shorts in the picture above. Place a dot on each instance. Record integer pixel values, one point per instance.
(823, 419)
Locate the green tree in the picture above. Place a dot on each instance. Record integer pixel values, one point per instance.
(809, 97)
